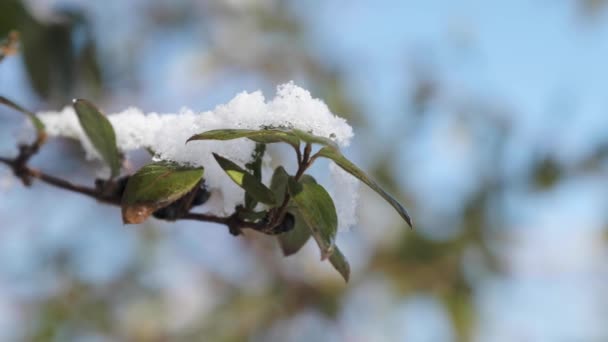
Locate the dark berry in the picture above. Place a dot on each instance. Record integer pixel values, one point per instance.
(170, 213)
(121, 184)
(201, 197)
(287, 224)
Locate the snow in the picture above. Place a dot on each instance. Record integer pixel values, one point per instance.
(166, 134)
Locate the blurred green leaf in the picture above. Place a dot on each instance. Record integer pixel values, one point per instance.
(351, 168)
(318, 211)
(292, 241)
(254, 188)
(59, 54)
(156, 186)
(265, 136)
(101, 133)
(547, 173)
(338, 260)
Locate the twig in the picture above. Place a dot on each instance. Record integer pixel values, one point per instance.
(205, 217)
(234, 223)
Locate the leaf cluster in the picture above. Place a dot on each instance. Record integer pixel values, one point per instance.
(294, 207)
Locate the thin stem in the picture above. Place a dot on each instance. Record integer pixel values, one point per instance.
(13, 105)
(234, 223)
(95, 194)
(298, 155)
(313, 158)
(304, 164)
(205, 217)
(65, 185)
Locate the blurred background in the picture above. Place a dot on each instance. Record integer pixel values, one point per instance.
(488, 120)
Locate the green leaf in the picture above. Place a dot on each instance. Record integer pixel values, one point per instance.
(255, 168)
(351, 168)
(314, 139)
(338, 260)
(254, 188)
(265, 136)
(308, 179)
(318, 211)
(100, 132)
(292, 241)
(156, 186)
(278, 184)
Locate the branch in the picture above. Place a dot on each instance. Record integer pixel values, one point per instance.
(110, 192)
(26, 174)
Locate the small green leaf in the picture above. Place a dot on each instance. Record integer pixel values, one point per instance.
(338, 260)
(314, 139)
(156, 186)
(100, 132)
(318, 211)
(255, 168)
(265, 136)
(351, 168)
(254, 188)
(292, 241)
(278, 184)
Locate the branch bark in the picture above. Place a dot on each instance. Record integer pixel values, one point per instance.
(26, 174)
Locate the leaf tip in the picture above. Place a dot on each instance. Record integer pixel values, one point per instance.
(81, 102)
(191, 139)
(406, 217)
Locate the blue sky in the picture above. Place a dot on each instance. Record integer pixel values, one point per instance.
(540, 60)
